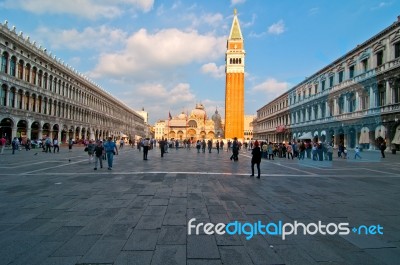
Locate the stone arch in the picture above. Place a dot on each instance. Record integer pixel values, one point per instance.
(35, 128)
(22, 128)
(6, 126)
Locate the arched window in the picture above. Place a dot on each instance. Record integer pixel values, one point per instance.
(13, 66)
(40, 76)
(19, 99)
(3, 95)
(230, 60)
(11, 99)
(51, 83)
(4, 62)
(34, 72)
(240, 60)
(45, 81)
(20, 69)
(28, 72)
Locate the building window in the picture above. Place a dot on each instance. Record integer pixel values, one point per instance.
(3, 96)
(11, 99)
(340, 77)
(397, 50)
(364, 64)
(351, 71)
(381, 100)
(28, 73)
(323, 85)
(34, 72)
(379, 58)
(309, 91)
(13, 66)
(315, 88)
(4, 62)
(396, 94)
(331, 81)
(352, 103)
(19, 100)
(20, 69)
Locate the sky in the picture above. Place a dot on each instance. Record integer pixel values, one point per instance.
(167, 55)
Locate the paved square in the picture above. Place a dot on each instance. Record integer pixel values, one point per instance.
(55, 209)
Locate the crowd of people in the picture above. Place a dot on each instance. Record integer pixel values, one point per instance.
(100, 150)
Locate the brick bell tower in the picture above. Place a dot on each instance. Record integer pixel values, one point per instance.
(234, 86)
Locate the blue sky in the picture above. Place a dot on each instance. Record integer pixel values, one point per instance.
(169, 55)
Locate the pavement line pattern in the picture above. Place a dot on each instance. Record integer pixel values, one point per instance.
(42, 169)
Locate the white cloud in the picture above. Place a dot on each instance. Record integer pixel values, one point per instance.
(235, 2)
(100, 37)
(313, 11)
(277, 28)
(158, 99)
(213, 70)
(214, 20)
(381, 5)
(90, 9)
(271, 87)
(147, 54)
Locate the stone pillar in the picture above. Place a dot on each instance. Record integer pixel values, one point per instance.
(40, 134)
(371, 97)
(312, 113)
(7, 96)
(306, 115)
(388, 93)
(327, 109)
(28, 132)
(358, 105)
(346, 103)
(14, 132)
(319, 115)
(335, 106)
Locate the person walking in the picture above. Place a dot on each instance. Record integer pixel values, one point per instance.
(162, 144)
(357, 153)
(47, 143)
(70, 143)
(289, 151)
(2, 144)
(209, 145)
(90, 147)
(217, 146)
(382, 147)
(109, 147)
(235, 150)
(98, 152)
(329, 152)
(198, 146)
(256, 159)
(146, 144)
(14, 145)
(222, 145)
(55, 145)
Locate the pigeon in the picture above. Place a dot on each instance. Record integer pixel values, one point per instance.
(35, 154)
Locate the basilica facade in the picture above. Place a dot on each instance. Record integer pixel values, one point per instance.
(41, 96)
(354, 100)
(194, 126)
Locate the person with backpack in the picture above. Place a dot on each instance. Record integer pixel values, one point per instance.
(14, 144)
(98, 152)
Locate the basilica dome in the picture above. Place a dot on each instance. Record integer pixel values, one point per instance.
(199, 112)
(182, 116)
(216, 117)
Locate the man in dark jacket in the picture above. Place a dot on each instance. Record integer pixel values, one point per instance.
(256, 159)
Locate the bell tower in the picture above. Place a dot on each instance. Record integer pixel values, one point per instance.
(234, 86)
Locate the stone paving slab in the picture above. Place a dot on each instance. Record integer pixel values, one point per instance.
(55, 209)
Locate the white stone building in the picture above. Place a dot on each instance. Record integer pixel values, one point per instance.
(355, 100)
(41, 96)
